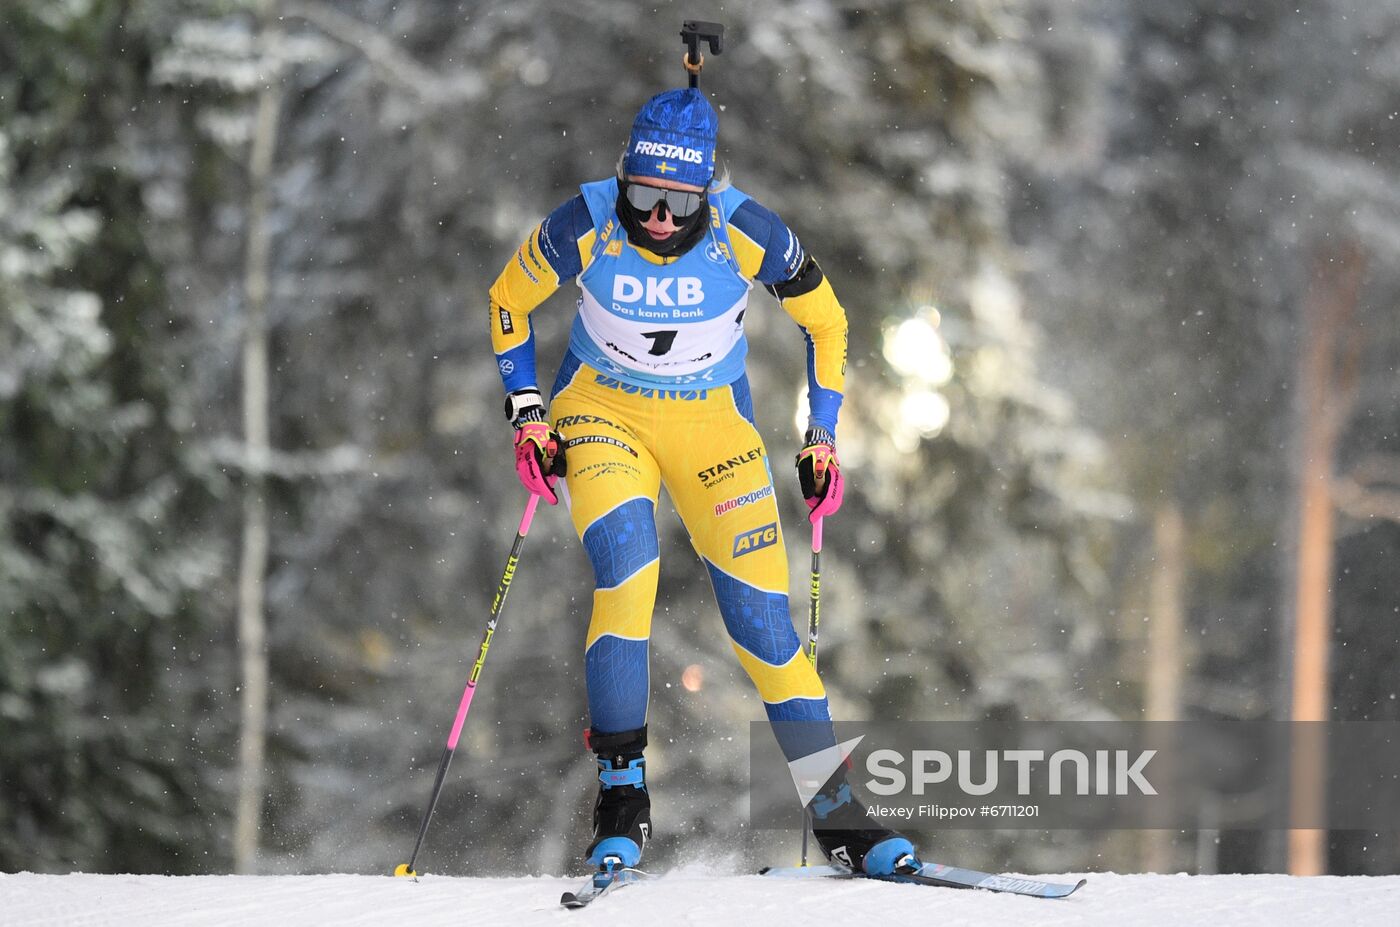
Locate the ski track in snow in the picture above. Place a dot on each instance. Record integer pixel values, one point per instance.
(684, 897)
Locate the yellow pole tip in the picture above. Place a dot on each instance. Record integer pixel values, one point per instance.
(403, 870)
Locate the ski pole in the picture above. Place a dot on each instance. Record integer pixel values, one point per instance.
(406, 869)
(813, 620)
(815, 611)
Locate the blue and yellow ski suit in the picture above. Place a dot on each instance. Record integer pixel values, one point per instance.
(653, 390)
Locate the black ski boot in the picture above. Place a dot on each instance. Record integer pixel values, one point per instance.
(622, 815)
(850, 837)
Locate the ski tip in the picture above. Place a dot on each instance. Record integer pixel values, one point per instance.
(764, 870)
(1063, 890)
(571, 901)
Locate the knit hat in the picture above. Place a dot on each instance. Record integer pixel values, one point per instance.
(673, 138)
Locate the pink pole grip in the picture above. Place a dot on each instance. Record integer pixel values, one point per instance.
(817, 535)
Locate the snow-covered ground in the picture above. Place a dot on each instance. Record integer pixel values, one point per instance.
(684, 897)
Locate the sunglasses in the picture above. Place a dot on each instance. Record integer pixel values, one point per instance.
(679, 203)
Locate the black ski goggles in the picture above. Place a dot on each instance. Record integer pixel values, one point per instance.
(679, 203)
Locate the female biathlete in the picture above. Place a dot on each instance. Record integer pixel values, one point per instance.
(652, 390)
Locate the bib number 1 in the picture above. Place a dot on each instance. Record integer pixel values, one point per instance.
(661, 341)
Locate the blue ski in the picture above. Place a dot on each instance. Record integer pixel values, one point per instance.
(600, 884)
(938, 875)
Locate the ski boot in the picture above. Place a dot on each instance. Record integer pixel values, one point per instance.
(850, 837)
(622, 815)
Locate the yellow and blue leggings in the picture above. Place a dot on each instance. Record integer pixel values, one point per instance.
(623, 442)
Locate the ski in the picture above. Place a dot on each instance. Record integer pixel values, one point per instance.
(600, 884)
(937, 875)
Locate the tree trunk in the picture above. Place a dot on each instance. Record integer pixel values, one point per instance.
(252, 572)
(1328, 312)
(1165, 657)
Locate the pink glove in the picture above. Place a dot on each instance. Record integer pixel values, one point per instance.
(819, 473)
(539, 458)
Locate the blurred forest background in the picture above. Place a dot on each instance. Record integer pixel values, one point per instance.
(1122, 421)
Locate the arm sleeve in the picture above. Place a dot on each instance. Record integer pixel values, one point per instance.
(770, 254)
(549, 256)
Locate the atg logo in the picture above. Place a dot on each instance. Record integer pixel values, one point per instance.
(757, 539)
(663, 150)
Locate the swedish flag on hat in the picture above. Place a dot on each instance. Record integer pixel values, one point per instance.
(673, 138)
